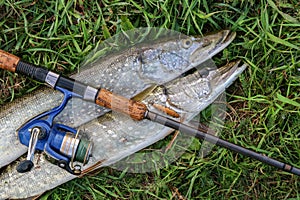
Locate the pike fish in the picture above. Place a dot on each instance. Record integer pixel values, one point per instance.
(116, 136)
(126, 71)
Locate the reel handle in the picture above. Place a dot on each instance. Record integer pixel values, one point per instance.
(27, 165)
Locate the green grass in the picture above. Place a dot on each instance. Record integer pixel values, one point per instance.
(265, 102)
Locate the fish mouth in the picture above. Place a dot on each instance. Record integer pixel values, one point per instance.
(227, 74)
(211, 44)
(225, 38)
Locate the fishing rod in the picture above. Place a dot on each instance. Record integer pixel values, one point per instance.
(135, 109)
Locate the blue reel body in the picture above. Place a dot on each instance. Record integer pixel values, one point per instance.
(58, 141)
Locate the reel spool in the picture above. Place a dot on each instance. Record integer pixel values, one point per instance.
(61, 143)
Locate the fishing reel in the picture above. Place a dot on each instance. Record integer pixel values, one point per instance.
(63, 144)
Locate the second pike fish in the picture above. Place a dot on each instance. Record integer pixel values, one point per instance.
(116, 136)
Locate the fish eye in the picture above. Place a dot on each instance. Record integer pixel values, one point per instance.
(203, 93)
(204, 72)
(206, 42)
(186, 43)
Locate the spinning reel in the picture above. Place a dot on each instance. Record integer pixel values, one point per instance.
(61, 143)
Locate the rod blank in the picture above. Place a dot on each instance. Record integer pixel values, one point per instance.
(223, 143)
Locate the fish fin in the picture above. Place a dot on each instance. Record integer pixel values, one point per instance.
(144, 94)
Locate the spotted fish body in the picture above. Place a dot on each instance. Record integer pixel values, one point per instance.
(115, 136)
(126, 72)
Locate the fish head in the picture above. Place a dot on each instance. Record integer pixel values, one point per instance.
(221, 78)
(195, 91)
(169, 59)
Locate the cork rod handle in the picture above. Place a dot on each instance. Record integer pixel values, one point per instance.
(8, 61)
(105, 98)
(136, 110)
